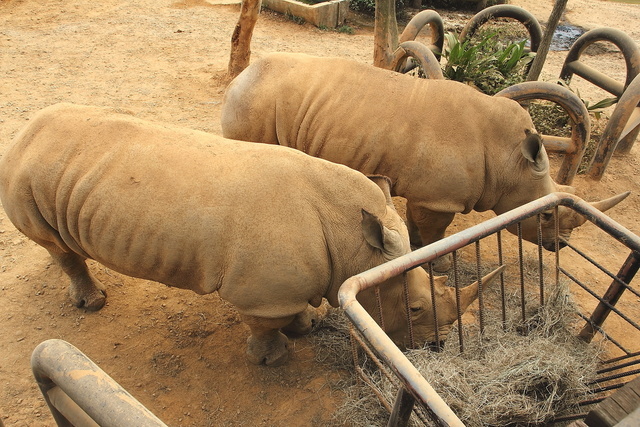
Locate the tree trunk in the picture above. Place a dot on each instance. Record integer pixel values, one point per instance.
(385, 36)
(545, 43)
(241, 38)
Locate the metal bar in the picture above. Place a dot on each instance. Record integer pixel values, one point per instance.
(615, 368)
(617, 359)
(434, 306)
(56, 363)
(521, 265)
(458, 311)
(558, 144)
(621, 366)
(615, 377)
(603, 269)
(480, 287)
(503, 302)
(605, 335)
(596, 77)
(540, 264)
(602, 389)
(620, 133)
(401, 409)
(611, 296)
(426, 397)
(606, 303)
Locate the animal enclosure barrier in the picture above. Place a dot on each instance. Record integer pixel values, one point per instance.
(602, 315)
(79, 393)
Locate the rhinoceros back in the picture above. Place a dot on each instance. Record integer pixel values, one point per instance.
(378, 121)
(177, 206)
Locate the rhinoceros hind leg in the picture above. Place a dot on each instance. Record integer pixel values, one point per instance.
(84, 290)
(267, 344)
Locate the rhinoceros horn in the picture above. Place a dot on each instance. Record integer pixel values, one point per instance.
(602, 206)
(469, 294)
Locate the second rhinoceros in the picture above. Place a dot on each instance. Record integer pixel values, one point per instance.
(272, 230)
(446, 147)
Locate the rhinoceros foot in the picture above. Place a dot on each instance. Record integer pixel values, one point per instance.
(272, 350)
(85, 290)
(92, 299)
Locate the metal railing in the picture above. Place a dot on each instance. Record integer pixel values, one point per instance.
(414, 392)
(79, 393)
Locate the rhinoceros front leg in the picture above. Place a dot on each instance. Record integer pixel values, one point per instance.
(426, 226)
(84, 290)
(267, 344)
(304, 322)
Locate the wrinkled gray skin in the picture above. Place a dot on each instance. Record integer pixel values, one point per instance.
(269, 228)
(446, 147)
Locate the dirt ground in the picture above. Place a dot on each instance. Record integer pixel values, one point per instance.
(180, 354)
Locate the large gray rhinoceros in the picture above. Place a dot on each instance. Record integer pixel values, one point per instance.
(269, 228)
(446, 147)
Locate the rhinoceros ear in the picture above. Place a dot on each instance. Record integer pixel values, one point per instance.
(533, 150)
(380, 237)
(385, 185)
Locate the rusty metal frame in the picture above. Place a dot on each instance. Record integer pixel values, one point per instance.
(627, 46)
(417, 391)
(418, 22)
(624, 126)
(426, 56)
(79, 393)
(573, 148)
(505, 11)
(621, 131)
(422, 55)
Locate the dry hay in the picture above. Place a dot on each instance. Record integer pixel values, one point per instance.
(503, 378)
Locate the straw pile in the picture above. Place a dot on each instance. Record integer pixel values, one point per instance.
(503, 378)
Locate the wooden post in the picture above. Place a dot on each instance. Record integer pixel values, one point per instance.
(385, 33)
(241, 38)
(541, 54)
(613, 294)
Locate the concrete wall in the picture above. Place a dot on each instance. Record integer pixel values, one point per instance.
(329, 14)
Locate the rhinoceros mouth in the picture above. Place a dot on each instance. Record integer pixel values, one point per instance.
(551, 246)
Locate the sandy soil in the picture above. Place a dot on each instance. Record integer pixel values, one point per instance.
(180, 354)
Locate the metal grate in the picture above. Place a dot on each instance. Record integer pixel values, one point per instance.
(480, 248)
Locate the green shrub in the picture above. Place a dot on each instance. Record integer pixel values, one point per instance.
(485, 62)
(368, 7)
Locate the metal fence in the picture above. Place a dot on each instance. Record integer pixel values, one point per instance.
(79, 393)
(603, 283)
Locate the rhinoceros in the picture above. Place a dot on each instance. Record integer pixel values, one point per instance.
(446, 147)
(271, 229)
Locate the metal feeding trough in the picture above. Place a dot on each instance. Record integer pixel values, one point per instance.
(603, 286)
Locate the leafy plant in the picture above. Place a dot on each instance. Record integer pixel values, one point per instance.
(488, 63)
(368, 7)
(345, 29)
(594, 109)
(297, 19)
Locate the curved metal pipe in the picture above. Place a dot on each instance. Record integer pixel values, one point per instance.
(573, 148)
(417, 23)
(621, 130)
(627, 46)
(422, 55)
(505, 11)
(76, 389)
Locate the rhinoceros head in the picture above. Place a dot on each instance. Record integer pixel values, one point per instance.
(391, 237)
(535, 182)
(421, 308)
